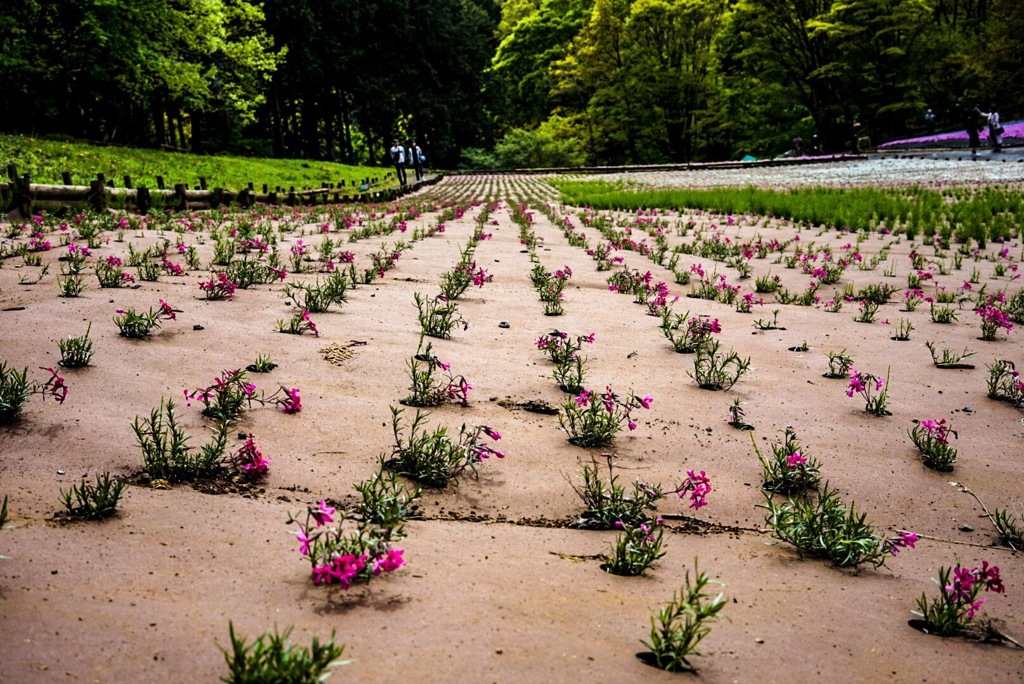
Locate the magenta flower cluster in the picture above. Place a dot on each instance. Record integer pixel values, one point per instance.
(968, 583)
(698, 486)
(340, 560)
(250, 460)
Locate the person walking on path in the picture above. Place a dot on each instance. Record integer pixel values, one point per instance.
(929, 120)
(398, 159)
(416, 159)
(972, 131)
(995, 130)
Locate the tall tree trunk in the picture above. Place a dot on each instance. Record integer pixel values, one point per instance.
(182, 144)
(310, 128)
(329, 115)
(197, 144)
(159, 124)
(277, 121)
(347, 153)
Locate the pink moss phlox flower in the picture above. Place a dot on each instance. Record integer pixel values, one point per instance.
(167, 310)
(975, 606)
(856, 384)
(292, 404)
(252, 459)
(491, 432)
(631, 424)
(322, 574)
(55, 386)
(459, 391)
(905, 540)
(990, 576)
(309, 322)
(391, 561)
(699, 487)
(795, 459)
(322, 514)
(345, 568)
(303, 542)
(963, 583)
(645, 401)
(584, 398)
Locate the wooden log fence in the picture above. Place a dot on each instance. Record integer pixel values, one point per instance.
(100, 194)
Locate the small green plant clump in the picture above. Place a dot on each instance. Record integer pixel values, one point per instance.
(274, 658)
(1005, 383)
(262, 364)
(76, 352)
(134, 325)
(949, 358)
(789, 470)
(931, 437)
(715, 371)
(432, 458)
(93, 501)
(16, 388)
(953, 611)
(298, 324)
(385, 501)
(318, 297)
(606, 502)
(823, 526)
(1011, 531)
(166, 453)
(437, 316)
(679, 627)
(839, 364)
(432, 382)
(635, 549)
(591, 419)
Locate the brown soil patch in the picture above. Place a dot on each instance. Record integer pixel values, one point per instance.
(498, 584)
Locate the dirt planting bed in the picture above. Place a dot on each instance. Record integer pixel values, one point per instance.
(498, 582)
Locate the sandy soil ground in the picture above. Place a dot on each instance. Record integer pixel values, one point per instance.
(497, 586)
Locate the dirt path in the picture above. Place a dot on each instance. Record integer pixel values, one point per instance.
(495, 586)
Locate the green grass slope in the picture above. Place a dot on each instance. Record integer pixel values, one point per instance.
(45, 160)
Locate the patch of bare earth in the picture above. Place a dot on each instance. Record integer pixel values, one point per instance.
(496, 586)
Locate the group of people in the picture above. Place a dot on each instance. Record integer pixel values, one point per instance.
(411, 157)
(995, 130)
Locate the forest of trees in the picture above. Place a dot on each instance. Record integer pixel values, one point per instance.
(503, 82)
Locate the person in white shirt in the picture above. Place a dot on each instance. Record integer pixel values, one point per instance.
(416, 159)
(995, 131)
(398, 159)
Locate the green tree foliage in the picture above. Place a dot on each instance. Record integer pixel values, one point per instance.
(524, 61)
(519, 82)
(125, 70)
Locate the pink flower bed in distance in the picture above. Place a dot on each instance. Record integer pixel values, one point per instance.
(1014, 129)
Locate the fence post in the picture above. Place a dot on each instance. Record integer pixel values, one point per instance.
(202, 183)
(23, 195)
(128, 182)
(12, 172)
(159, 182)
(180, 198)
(65, 177)
(143, 200)
(97, 195)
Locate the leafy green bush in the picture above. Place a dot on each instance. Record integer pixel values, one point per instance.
(272, 658)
